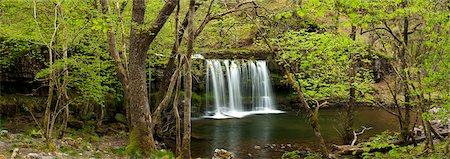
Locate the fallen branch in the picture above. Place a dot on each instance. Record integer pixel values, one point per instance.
(355, 134)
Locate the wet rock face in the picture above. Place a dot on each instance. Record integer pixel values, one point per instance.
(258, 54)
(222, 154)
(19, 77)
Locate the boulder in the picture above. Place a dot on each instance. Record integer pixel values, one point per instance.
(4, 133)
(222, 154)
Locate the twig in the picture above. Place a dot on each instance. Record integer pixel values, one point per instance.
(34, 118)
(14, 154)
(381, 105)
(355, 134)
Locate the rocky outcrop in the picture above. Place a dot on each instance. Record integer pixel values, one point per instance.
(238, 54)
(18, 75)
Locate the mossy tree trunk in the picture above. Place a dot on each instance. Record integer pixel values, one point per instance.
(132, 72)
(178, 87)
(186, 150)
(141, 138)
(47, 114)
(405, 130)
(65, 97)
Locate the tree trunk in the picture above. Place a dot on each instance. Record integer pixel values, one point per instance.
(178, 86)
(100, 117)
(171, 63)
(64, 91)
(348, 124)
(170, 68)
(141, 137)
(47, 114)
(121, 67)
(312, 115)
(126, 98)
(188, 86)
(177, 114)
(157, 123)
(405, 132)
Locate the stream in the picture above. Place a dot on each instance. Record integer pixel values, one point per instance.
(241, 135)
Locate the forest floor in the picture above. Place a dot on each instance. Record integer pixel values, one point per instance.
(19, 139)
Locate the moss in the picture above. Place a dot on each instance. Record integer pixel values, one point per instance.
(162, 154)
(34, 133)
(121, 151)
(10, 104)
(133, 149)
(50, 145)
(121, 118)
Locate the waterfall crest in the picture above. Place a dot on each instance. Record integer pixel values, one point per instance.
(239, 88)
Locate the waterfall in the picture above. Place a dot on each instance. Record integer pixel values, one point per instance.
(239, 88)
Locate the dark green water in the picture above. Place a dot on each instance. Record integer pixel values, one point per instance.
(241, 135)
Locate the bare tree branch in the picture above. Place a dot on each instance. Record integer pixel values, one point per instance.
(414, 28)
(208, 18)
(355, 134)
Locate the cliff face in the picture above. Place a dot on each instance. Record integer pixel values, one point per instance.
(18, 78)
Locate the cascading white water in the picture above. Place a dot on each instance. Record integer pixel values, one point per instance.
(239, 88)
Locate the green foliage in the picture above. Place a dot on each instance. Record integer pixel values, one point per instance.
(121, 118)
(133, 147)
(313, 41)
(23, 102)
(381, 141)
(119, 151)
(322, 62)
(313, 155)
(12, 50)
(34, 133)
(291, 155)
(296, 154)
(162, 154)
(399, 152)
(197, 99)
(396, 152)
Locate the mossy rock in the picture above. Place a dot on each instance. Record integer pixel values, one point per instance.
(121, 118)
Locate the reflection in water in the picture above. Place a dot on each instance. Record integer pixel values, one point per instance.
(234, 136)
(266, 129)
(241, 135)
